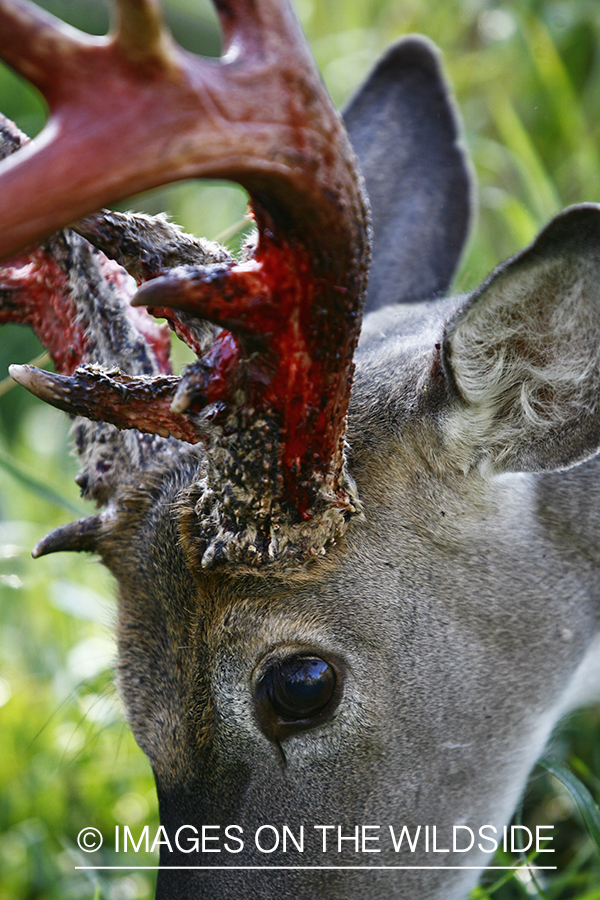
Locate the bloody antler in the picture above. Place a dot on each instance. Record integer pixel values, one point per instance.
(270, 394)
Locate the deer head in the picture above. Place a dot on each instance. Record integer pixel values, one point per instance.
(326, 598)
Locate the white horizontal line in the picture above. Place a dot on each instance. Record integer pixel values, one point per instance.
(311, 868)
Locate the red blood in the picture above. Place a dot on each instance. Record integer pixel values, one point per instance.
(311, 346)
(37, 294)
(295, 332)
(224, 359)
(157, 336)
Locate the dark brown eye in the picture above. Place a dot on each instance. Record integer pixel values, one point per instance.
(299, 687)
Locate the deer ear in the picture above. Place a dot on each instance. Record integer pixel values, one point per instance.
(405, 131)
(524, 354)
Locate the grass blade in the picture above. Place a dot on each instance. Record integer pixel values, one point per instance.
(28, 480)
(590, 812)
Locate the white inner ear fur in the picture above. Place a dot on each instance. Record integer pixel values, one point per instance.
(525, 355)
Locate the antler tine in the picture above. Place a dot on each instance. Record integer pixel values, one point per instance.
(67, 66)
(141, 31)
(249, 27)
(34, 42)
(40, 47)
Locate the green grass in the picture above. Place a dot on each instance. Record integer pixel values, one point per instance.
(527, 79)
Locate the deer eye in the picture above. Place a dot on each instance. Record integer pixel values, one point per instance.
(296, 693)
(299, 687)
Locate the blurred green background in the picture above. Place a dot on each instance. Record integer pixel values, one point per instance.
(527, 80)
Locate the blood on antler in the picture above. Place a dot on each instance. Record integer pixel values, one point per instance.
(269, 395)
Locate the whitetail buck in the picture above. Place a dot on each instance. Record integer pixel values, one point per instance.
(336, 609)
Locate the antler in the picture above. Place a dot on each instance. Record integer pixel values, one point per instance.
(270, 395)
